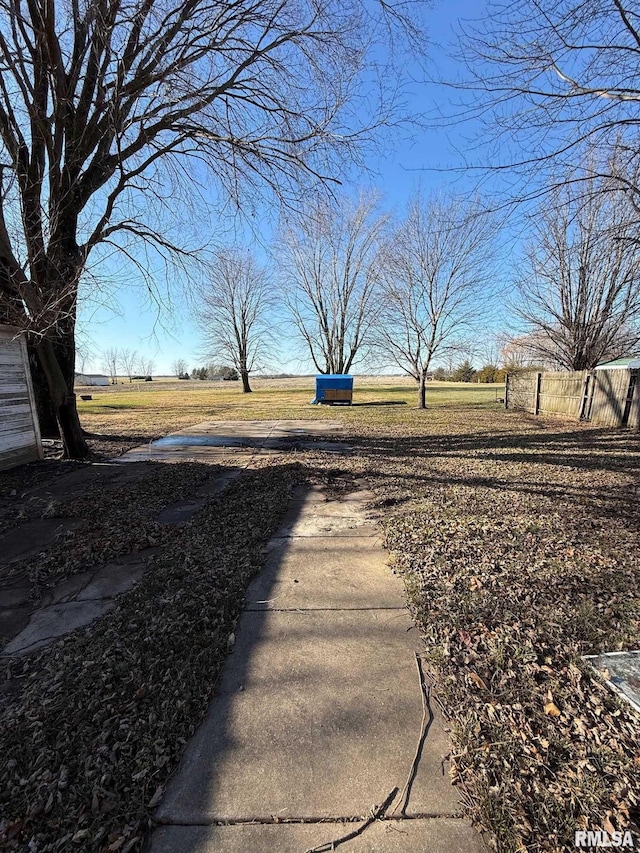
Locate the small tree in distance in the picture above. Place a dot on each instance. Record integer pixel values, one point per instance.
(234, 311)
(440, 374)
(112, 360)
(179, 368)
(435, 274)
(331, 272)
(129, 361)
(465, 372)
(147, 366)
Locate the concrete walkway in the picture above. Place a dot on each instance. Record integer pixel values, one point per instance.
(319, 712)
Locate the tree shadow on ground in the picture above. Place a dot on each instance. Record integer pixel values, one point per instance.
(382, 403)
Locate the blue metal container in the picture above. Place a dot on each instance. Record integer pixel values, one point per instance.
(332, 388)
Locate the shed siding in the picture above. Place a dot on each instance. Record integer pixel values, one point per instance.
(634, 410)
(19, 433)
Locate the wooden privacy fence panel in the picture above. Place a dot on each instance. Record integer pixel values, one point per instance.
(562, 393)
(610, 397)
(520, 391)
(19, 431)
(606, 397)
(543, 393)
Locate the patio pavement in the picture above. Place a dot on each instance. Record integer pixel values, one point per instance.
(319, 713)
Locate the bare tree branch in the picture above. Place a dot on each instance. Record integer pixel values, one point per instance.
(435, 275)
(579, 290)
(330, 269)
(550, 81)
(235, 312)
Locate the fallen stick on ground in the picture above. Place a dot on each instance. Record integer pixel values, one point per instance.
(377, 812)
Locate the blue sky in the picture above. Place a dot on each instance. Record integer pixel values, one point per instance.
(123, 317)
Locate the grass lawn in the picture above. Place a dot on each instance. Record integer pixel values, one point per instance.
(138, 412)
(517, 539)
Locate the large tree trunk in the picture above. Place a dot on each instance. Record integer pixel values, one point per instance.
(57, 360)
(246, 388)
(422, 391)
(44, 407)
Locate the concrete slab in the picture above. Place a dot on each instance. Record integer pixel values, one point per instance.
(215, 485)
(323, 526)
(332, 573)
(297, 428)
(210, 455)
(436, 835)
(621, 671)
(33, 537)
(112, 580)
(318, 713)
(215, 440)
(70, 605)
(73, 484)
(179, 512)
(49, 623)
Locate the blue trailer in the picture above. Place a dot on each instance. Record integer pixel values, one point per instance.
(334, 388)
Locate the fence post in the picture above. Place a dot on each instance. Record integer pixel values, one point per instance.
(506, 391)
(536, 404)
(582, 413)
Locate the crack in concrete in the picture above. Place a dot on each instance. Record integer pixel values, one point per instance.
(310, 819)
(320, 609)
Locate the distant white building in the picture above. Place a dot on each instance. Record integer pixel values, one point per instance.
(91, 379)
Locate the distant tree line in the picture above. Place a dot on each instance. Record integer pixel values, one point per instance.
(127, 362)
(211, 372)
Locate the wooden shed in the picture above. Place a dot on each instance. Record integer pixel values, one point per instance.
(19, 431)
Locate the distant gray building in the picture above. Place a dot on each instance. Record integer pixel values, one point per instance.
(91, 379)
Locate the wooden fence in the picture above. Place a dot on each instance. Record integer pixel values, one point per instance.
(606, 397)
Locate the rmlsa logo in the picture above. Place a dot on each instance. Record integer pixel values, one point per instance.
(600, 838)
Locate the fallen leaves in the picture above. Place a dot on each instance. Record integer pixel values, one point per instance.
(102, 717)
(516, 564)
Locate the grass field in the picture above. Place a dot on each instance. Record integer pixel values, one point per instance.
(150, 409)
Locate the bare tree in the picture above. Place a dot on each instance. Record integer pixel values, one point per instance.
(111, 358)
(435, 276)
(551, 79)
(516, 352)
(104, 105)
(147, 366)
(579, 291)
(129, 361)
(179, 367)
(330, 269)
(235, 312)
